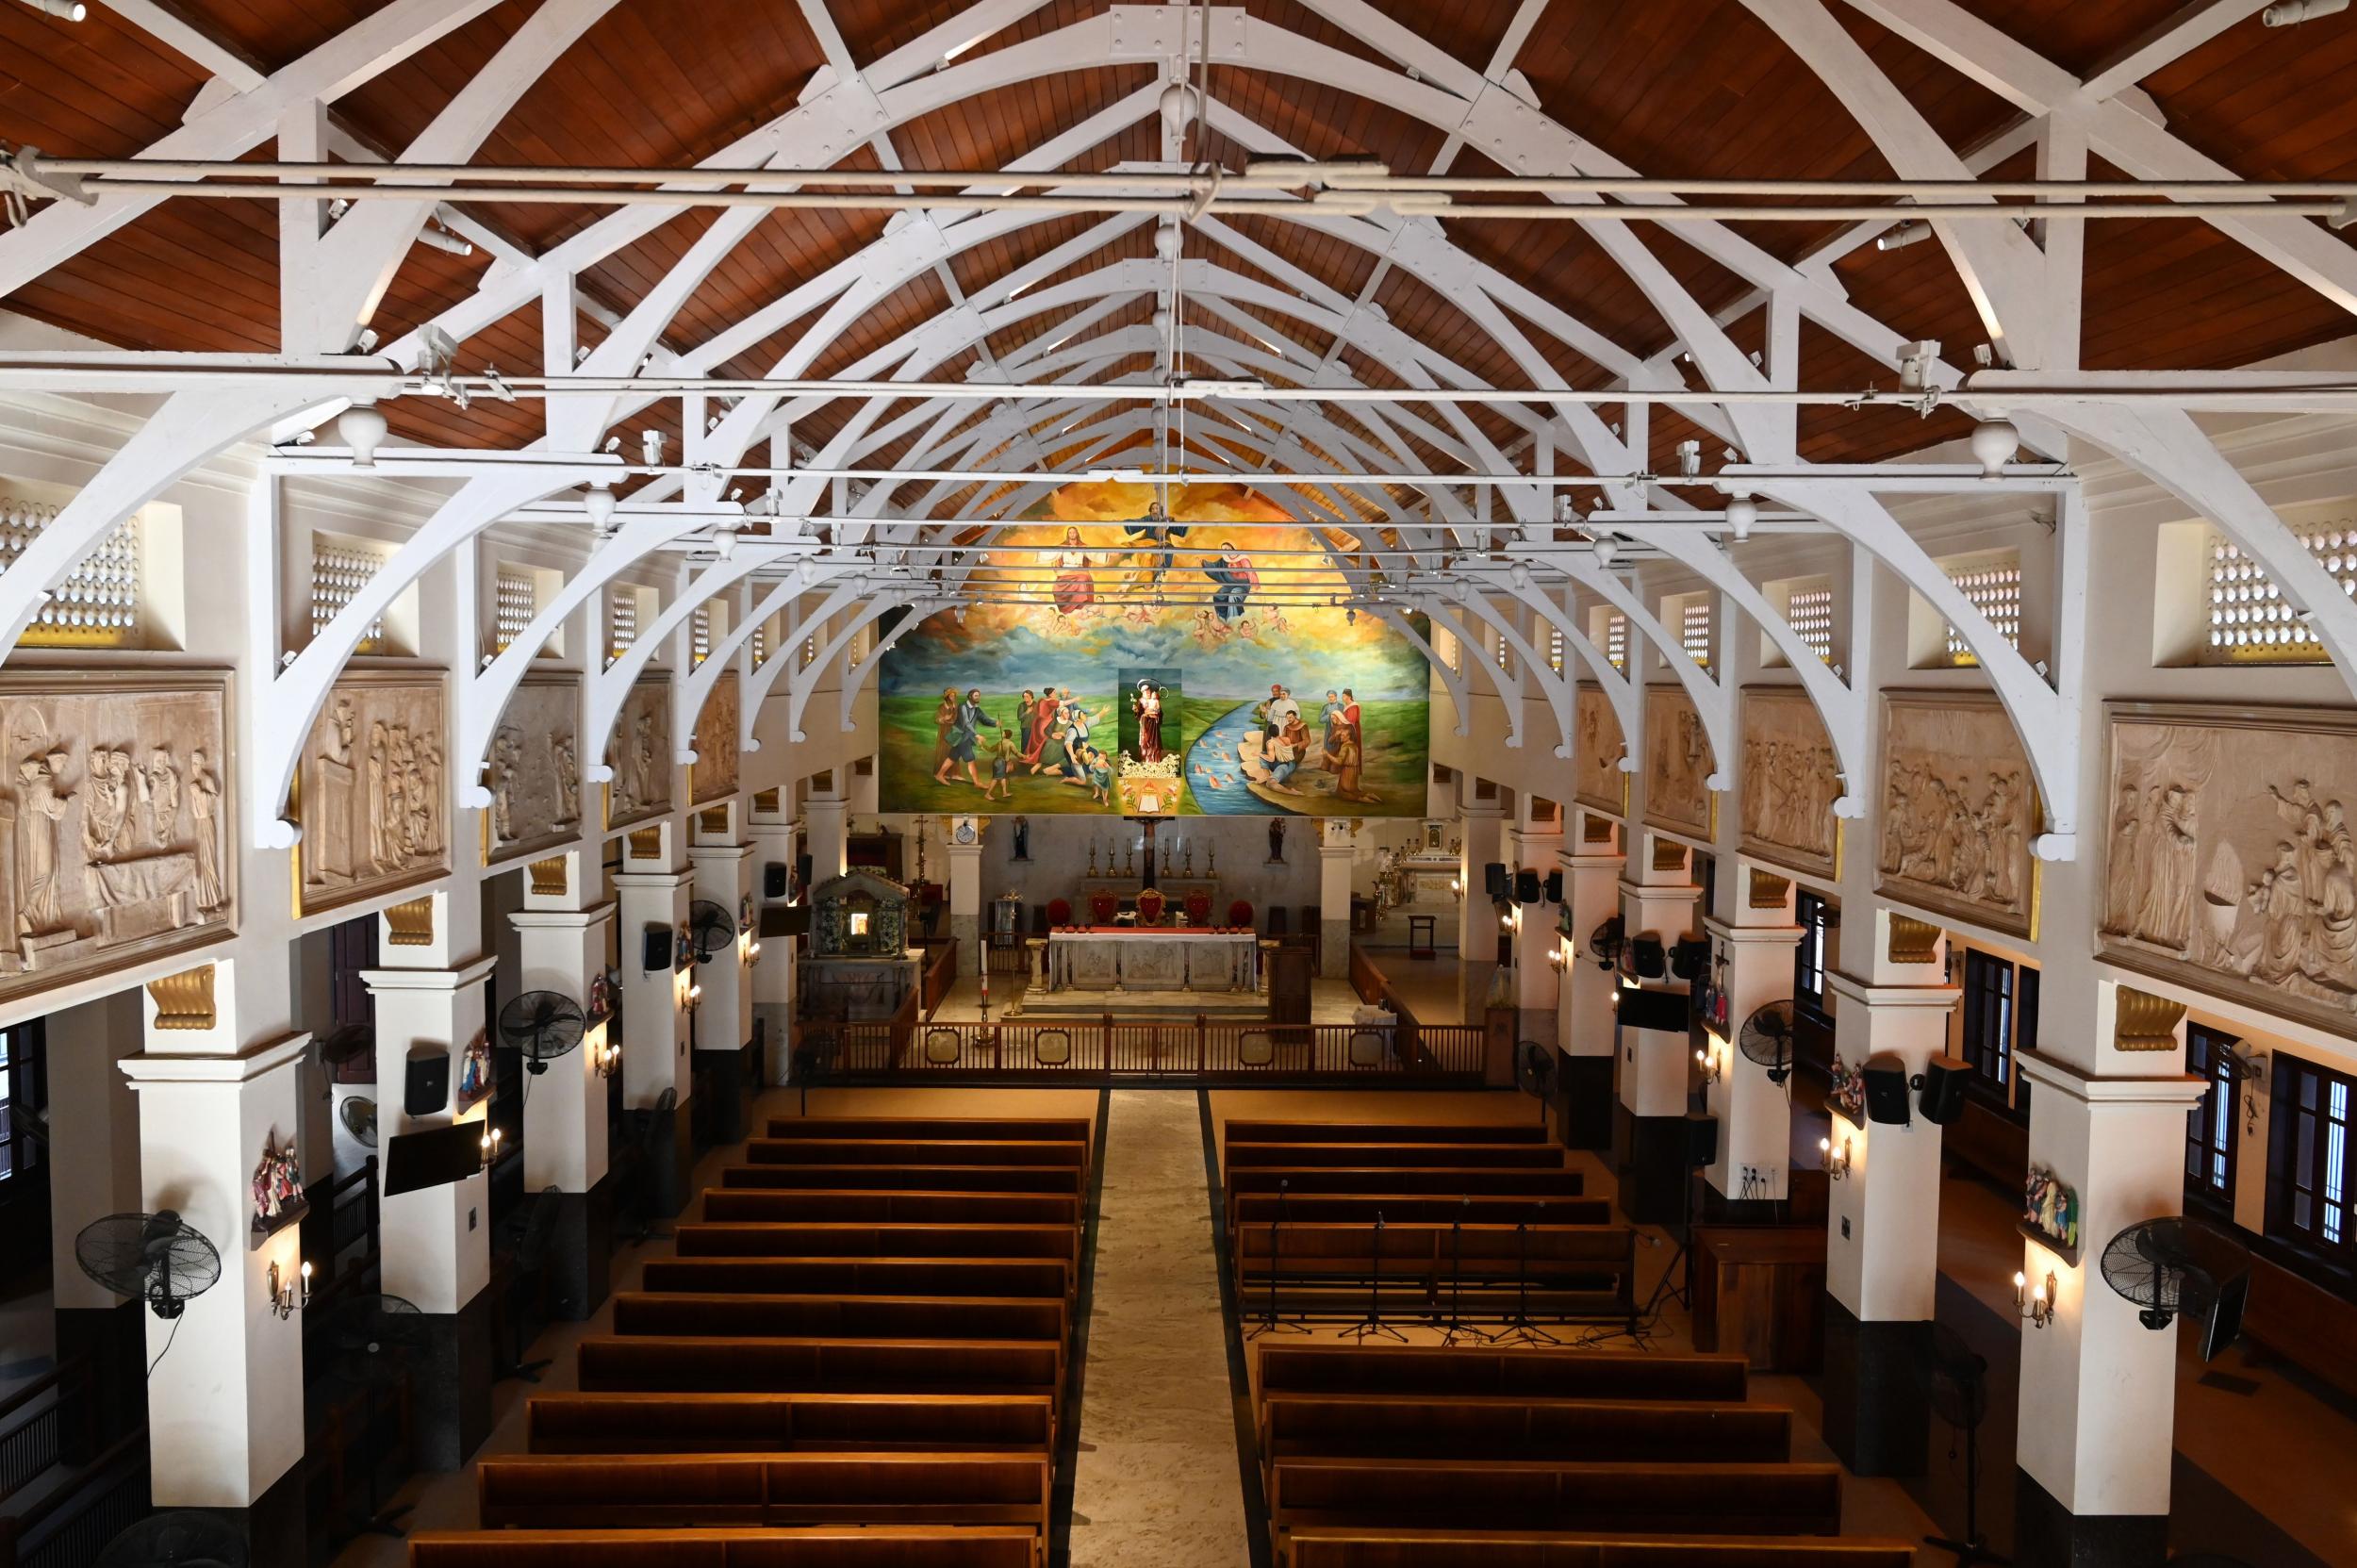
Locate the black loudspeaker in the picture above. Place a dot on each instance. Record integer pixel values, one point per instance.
(656, 952)
(1646, 956)
(773, 879)
(426, 1088)
(1886, 1089)
(1702, 1138)
(1493, 880)
(801, 870)
(1555, 887)
(1525, 888)
(1943, 1081)
(1689, 955)
(1661, 1009)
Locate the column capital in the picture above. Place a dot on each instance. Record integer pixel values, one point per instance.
(661, 879)
(561, 919)
(717, 853)
(148, 1067)
(1744, 936)
(1581, 859)
(473, 972)
(1866, 994)
(2051, 1074)
(1487, 810)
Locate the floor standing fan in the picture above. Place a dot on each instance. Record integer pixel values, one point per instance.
(1957, 1379)
(184, 1538)
(1534, 1069)
(373, 1343)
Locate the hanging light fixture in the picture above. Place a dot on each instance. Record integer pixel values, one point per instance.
(599, 501)
(363, 427)
(1994, 442)
(1743, 513)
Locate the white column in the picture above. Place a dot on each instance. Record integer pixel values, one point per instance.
(1335, 858)
(93, 1137)
(1882, 1248)
(965, 895)
(1476, 920)
(774, 843)
(1535, 846)
(723, 875)
(825, 835)
(1753, 957)
(2098, 1387)
(1583, 1015)
(1657, 898)
(565, 1109)
(653, 892)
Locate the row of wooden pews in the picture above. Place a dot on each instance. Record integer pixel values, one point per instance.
(855, 1359)
(1440, 1221)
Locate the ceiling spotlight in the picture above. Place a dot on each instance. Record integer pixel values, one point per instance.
(74, 10)
(650, 447)
(1994, 442)
(1691, 459)
(1742, 512)
(724, 542)
(362, 427)
(599, 501)
(1913, 232)
(2289, 13)
(1177, 107)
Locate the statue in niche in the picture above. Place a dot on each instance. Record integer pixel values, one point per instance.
(159, 787)
(567, 753)
(1022, 838)
(204, 805)
(38, 910)
(507, 752)
(1277, 841)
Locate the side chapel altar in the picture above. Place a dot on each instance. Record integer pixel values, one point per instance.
(1151, 959)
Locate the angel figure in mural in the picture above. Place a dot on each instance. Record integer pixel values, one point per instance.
(38, 912)
(1076, 590)
(204, 805)
(159, 787)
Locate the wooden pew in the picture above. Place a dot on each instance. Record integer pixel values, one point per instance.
(1260, 1209)
(1493, 1156)
(1587, 1269)
(1698, 1499)
(1378, 1425)
(1447, 1180)
(820, 1546)
(1386, 1132)
(789, 1423)
(1470, 1371)
(915, 1151)
(665, 1490)
(1078, 1129)
(893, 1207)
(853, 1240)
(1024, 1277)
(630, 1364)
(938, 1179)
(674, 1315)
(1352, 1546)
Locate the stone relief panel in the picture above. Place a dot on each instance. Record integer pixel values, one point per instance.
(533, 770)
(1677, 760)
(1596, 748)
(373, 791)
(1790, 782)
(640, 753)
(2228, 862)
(1958, 810)
(114, 821)
(714, 775)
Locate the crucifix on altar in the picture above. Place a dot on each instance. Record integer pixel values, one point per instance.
(1150, 824)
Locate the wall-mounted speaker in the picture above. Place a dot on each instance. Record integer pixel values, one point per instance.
(1555, 887)
(425, 1087)
(1526, 887)
(801, 870)
(773, 879)
(1690, 956)
(1885, 1078)
(655, 949)
(1702, 1138)
(1493, 880)
(1647, 957)
(1943, 1097)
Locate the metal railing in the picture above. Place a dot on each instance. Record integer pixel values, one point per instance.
(69, 1523)
(39, 1422)
(905, 1048)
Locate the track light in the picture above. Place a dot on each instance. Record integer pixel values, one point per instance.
(1913, 232)
(2289, 13)
(1691, 459)
(1994, 442)
(362, 427)
(448, 244)
(74, 10)
(599, 501)
(1742, 512)
(650, 447)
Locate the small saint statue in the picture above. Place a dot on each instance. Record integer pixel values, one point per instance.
(1277, 841)
(1022, 838)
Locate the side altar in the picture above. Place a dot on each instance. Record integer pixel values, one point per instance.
(1155, 958)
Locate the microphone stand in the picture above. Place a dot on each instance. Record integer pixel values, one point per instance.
(1459, 1329)
(1520, 1329)
(1372, 1323)
(1269, 1323)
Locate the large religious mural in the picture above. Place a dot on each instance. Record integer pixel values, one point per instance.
(1958, 810)
(2227, 859)
(115, 832)
(1790, 782)
(1111, 661)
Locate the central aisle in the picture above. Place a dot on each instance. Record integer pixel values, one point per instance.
(1156, 1485)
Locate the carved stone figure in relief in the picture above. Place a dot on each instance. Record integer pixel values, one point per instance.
(38, 910)
(380, 793)
(2165, 916)
(567, 758)
(506, 758)
(643, 761)
(2124, 874)
(106, 806)
(341, 724)
(204, 805)
(160, 785)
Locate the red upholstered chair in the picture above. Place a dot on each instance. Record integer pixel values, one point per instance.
(1198, 908)
(1150, 902)
(1058, 913)
(1240, 916)
(1102, 908)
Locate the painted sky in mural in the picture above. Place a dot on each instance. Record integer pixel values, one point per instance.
(1187, 668)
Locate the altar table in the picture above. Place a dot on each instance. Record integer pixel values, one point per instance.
(1153, 959)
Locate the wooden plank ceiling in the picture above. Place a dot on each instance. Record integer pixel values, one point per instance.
(1671, 86)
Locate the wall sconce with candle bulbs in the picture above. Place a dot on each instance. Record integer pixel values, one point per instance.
(1558, 958)
(1707, 1057)
(2033, 1304)
(1456, 888)
(1837, 1160)
(285, 1298)
(609, 1057)
(492, 1138)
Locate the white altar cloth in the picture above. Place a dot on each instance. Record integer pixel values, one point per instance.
(1157, 959)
